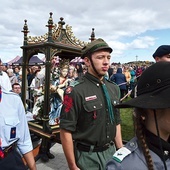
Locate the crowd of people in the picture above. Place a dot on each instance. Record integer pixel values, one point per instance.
(85, 100)
(124, 75)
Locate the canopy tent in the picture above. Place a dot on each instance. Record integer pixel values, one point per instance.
(13, 60)
(77, 60)
(34, 60)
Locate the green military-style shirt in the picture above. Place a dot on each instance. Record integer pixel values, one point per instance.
(85, 111)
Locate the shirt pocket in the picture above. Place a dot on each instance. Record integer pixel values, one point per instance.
(93, 111)
(11, 129)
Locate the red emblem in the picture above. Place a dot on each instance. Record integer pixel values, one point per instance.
(94, 115)
(68, 90)
(68, 103)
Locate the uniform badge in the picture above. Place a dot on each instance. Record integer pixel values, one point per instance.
(90, 98)
(121, 154)
(69, 90)
(94, 115)
(13, 132)
(68, 103)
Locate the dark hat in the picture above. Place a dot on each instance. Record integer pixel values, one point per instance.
(95, 45)
(153, 89)
(161, 51)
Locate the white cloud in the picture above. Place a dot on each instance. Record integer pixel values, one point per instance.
(142, 42)
(123, 24)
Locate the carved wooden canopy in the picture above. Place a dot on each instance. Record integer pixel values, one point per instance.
(59, 39)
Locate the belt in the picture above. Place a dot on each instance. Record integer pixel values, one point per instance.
(9, 149)
(86, 148)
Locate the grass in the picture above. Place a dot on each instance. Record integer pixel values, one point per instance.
(127, 123)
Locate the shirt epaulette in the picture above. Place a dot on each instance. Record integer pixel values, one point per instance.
(123, 152)
(111, 82)
(75, 83)
(120, 154)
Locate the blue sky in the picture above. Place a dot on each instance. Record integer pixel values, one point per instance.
(132, 28)
(145, 51)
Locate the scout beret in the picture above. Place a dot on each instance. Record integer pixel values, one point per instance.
(94, 46)
(161, 51)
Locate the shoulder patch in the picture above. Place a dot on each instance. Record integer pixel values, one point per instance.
(74, 83)
(121, 154)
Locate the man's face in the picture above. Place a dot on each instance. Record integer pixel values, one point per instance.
(101, 62)
(163, 58)
(17, 89)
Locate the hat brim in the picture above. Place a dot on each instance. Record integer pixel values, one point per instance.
(97, 49)
(103, 48)
(160, 100)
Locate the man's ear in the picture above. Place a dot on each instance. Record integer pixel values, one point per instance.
(157, 59)
(87, 61)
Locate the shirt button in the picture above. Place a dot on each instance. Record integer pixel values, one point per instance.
(106, 110)
(107, 136)
(132, 144)
(94, 107)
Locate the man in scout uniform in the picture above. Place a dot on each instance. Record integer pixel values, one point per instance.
(89, 123)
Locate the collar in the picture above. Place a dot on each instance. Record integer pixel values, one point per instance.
(94, 79)
(153, 142)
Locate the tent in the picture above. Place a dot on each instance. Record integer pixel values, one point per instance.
(77, 60)
(13, 60)
(34, 60)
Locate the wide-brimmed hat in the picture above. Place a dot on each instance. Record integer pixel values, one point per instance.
(96, 45)
(161, 51)
(153, 88)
